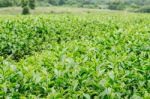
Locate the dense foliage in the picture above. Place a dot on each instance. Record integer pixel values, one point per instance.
(145, 9)
(32, 4)
(25, 7)
(8, 3)
(71, 56)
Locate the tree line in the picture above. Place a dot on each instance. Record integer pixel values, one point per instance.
(141, 5)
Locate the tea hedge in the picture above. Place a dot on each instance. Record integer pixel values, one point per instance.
(75, 56)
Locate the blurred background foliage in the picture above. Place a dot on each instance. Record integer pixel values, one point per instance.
(130, 5)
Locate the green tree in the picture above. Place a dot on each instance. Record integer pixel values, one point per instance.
(6, 3)
(61, 2)
(53, 2)
(145, 9)
(116, 5)
(24, 3)
(25, 10)
(32, 4)
(25, 7)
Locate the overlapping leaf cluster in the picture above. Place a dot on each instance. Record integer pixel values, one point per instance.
(72, 56)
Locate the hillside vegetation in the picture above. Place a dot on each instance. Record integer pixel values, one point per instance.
(89, 56)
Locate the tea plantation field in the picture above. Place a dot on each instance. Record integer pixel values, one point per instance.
(72, 56)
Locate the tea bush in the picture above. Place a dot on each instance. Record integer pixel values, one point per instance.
(75, 56)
